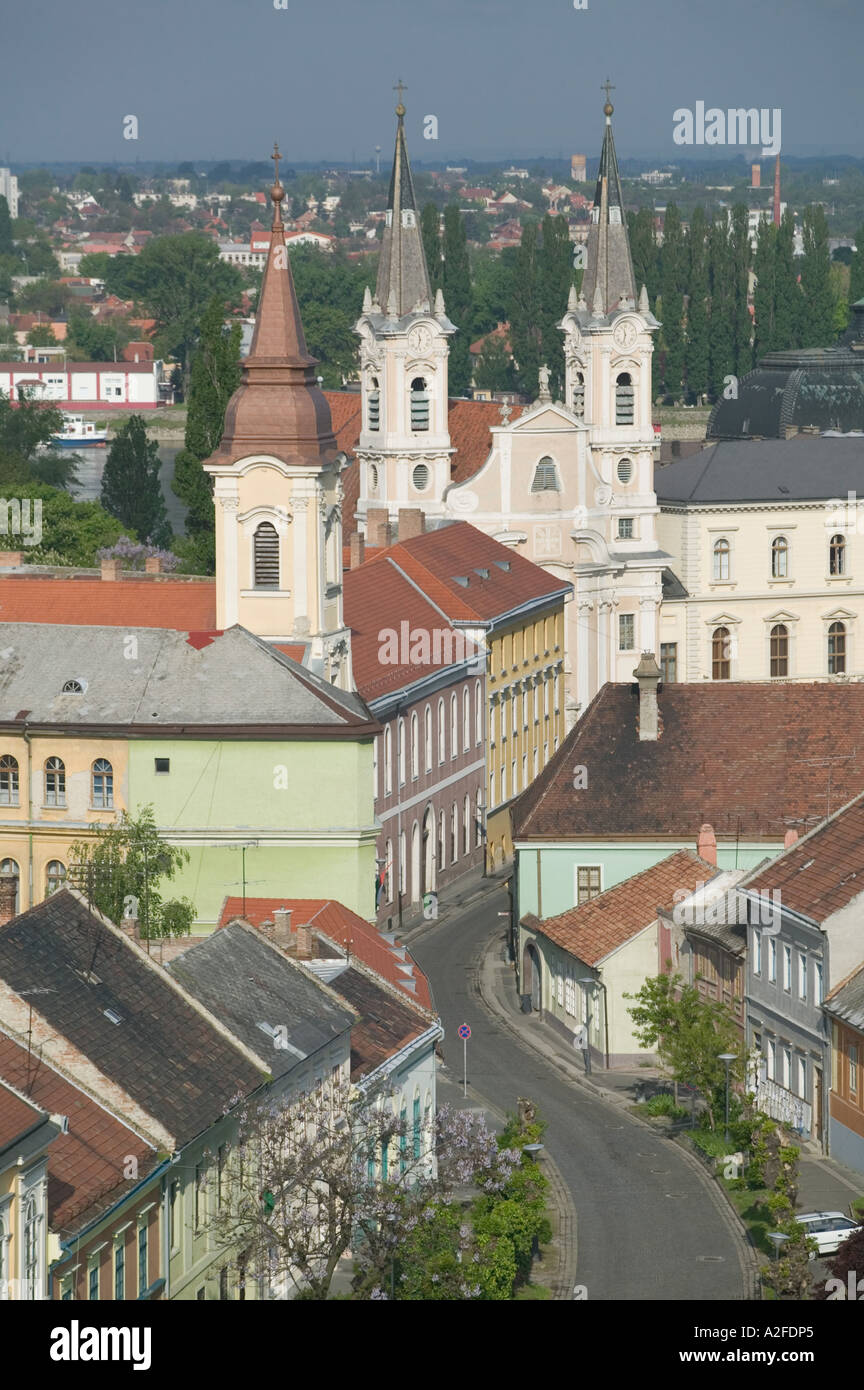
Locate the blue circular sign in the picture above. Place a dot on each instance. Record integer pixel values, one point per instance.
(464, 1031)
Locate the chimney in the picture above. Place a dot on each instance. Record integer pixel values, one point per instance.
(356, 549)
(153, 564)
(112, 568)
(131, 927)
(412, 522)
(304, 943)
(790, 838)
(282, 926)
(10, 559)
(8, 894)
(377, 526)
(647, 674)
(755, 175)
(706, 846)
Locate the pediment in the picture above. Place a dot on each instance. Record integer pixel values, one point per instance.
(781, 616)
(546, 415)
(839, 615)
(721, 620)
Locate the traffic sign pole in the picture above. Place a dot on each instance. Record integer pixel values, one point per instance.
(464, 1033)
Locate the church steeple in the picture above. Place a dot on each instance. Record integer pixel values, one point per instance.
(403, 277)
(609, 266)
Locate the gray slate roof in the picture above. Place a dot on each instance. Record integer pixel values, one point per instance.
(848, 1001)
(234, 682)
(402, 271)
(804, 468)
(246, 982)
(609, 265)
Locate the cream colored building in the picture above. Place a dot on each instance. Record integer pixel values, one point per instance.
(770, 554)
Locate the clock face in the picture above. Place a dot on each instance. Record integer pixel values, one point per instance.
(625, 334)
(418, 339)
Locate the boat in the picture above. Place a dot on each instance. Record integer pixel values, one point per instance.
(79, 433)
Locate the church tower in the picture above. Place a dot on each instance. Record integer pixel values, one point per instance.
(404, 447)
(277, 490)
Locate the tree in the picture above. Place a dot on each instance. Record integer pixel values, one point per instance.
(856, 268)
(131, 489)
(721, 345)
(741, 255)
(818, 305)
(95, 265)
(555, 276)
(44, 296)
(72, 532)
(493, 367)
(430, 232)
(689, 1034)
(121, 872)
(696, 354)
(525, 330)
(765, 290)
(174, 279)
(643, 249)
(7, 243)
(97, 342)
(25, 430)
(672, 279)
(787, 303)
(456, 285)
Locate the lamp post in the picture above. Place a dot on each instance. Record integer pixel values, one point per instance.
(726, 1058)
(481, 826)
(588, 980)
(777, 1238)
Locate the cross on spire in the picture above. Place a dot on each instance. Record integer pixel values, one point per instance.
(276, 156)
(400, 88)
(607, 87)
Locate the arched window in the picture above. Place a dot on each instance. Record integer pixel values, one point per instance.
(401, 752)
(442, 839)
(466, 719)
(579, 394)
(374, 405)
(388, 761)
(780, 650)
(454, 833)
(442, 733)
(427, 737)
(478, 824)
(545, 477)
(466, 826)
(9, 869)
(478, 714)
(779, 557)
(55, 877)
(103, 785)
(623, 399)
(837, 649)
(837, 555)
(415, 750)
(55, 782)
(265, 546)
(721, 666)
(721, 559)
(454, 728)
(8, 780)
(419, 405)
(31, 1250)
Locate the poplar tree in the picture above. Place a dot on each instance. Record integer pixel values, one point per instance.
(525, 333)
(742, 257)
(672, 278)
(643, 249)
(555, 276)
(456, 284)
(817, 326)
(131, 490)
(429, 230)
(7, 244)
(765, 290)
(696, 350)
(787, 302)
(856, 268)
(720, 337)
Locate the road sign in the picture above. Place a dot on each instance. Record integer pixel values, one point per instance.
(464, 1031)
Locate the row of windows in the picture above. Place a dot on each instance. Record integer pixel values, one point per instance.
(788, 1069)
(722, 558)
(101, 783)
(723, 646)
(55, 877)
(524, 698)
(547, 479)
(428, 745)
(453, 830)
(795, 968)
(419, 395)
(525, 643)
(513, 782)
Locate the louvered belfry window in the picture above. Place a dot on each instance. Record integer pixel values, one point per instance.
(266, 556)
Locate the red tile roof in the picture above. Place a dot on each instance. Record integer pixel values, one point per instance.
(181, 605)
(85, 1166)
(591, 932)
(344, 927)
(752, 759)
(822, 872)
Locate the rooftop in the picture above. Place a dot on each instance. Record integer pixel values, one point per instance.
(803, 468)
(824, 871)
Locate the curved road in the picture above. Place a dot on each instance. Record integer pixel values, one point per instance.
(649, 1224)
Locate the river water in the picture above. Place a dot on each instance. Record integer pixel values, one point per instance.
(92, 466)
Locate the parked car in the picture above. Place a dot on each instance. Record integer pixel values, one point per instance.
(829, 1229)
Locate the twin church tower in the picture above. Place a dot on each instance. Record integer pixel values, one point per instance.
(569, 483)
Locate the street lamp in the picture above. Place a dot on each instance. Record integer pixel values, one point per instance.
(480, 819)
(533, 1150)
(726, 1058)
(777, 1238)
(588, 980)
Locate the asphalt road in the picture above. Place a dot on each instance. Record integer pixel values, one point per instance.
(647, 1227)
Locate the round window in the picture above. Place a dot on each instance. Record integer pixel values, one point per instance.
(420, 477)
(625, 471)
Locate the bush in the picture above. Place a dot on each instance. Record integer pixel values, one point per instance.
(664, 1104)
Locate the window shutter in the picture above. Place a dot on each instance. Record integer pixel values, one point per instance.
(266, 557)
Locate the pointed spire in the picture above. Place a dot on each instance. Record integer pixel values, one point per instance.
(278, 408)
(582, 302)
(597, 307)
(440, 311)
(367, 300)
(572, 300)
(609, 263)
(402, 268)
(644, 306)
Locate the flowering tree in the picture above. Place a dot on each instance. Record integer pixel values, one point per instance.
(133, 554)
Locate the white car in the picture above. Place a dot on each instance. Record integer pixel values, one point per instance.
(829, 1229)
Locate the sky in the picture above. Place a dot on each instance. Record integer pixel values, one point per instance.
(221, 79)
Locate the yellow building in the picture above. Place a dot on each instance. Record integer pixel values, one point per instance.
(26, 1131)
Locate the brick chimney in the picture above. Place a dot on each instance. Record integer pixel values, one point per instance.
(790, 838)
(377, 527)
(356, 550)
(412, 522)
(706, 846)
(8, 894)
(304, 942)
(647, 674)
(112, 568)
(153, 564)
(281, 934)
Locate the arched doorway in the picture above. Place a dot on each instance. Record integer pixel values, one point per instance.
(430, 879)
(531, 978)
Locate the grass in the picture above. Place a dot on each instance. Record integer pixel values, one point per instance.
(531, 1293)
(758, 1220)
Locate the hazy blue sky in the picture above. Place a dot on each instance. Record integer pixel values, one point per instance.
(222, 78)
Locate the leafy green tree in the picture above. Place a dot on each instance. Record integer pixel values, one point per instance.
(7, 243)
(95, 341)
(72, 532)
(38, 258)
(696, 352)
(643, 249)
(765, 290)
(493, 367)
(492, 289)
(430, 232)
(95, 265)
(838, 277)
(741, 254)
(525, 312)
(673, 255)
(818, 307)
(721, 344)
(131, 489)
(44, 296)
(555, 276)
(787, 303)
(856, 268)
(456, 284)
(122, 870)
